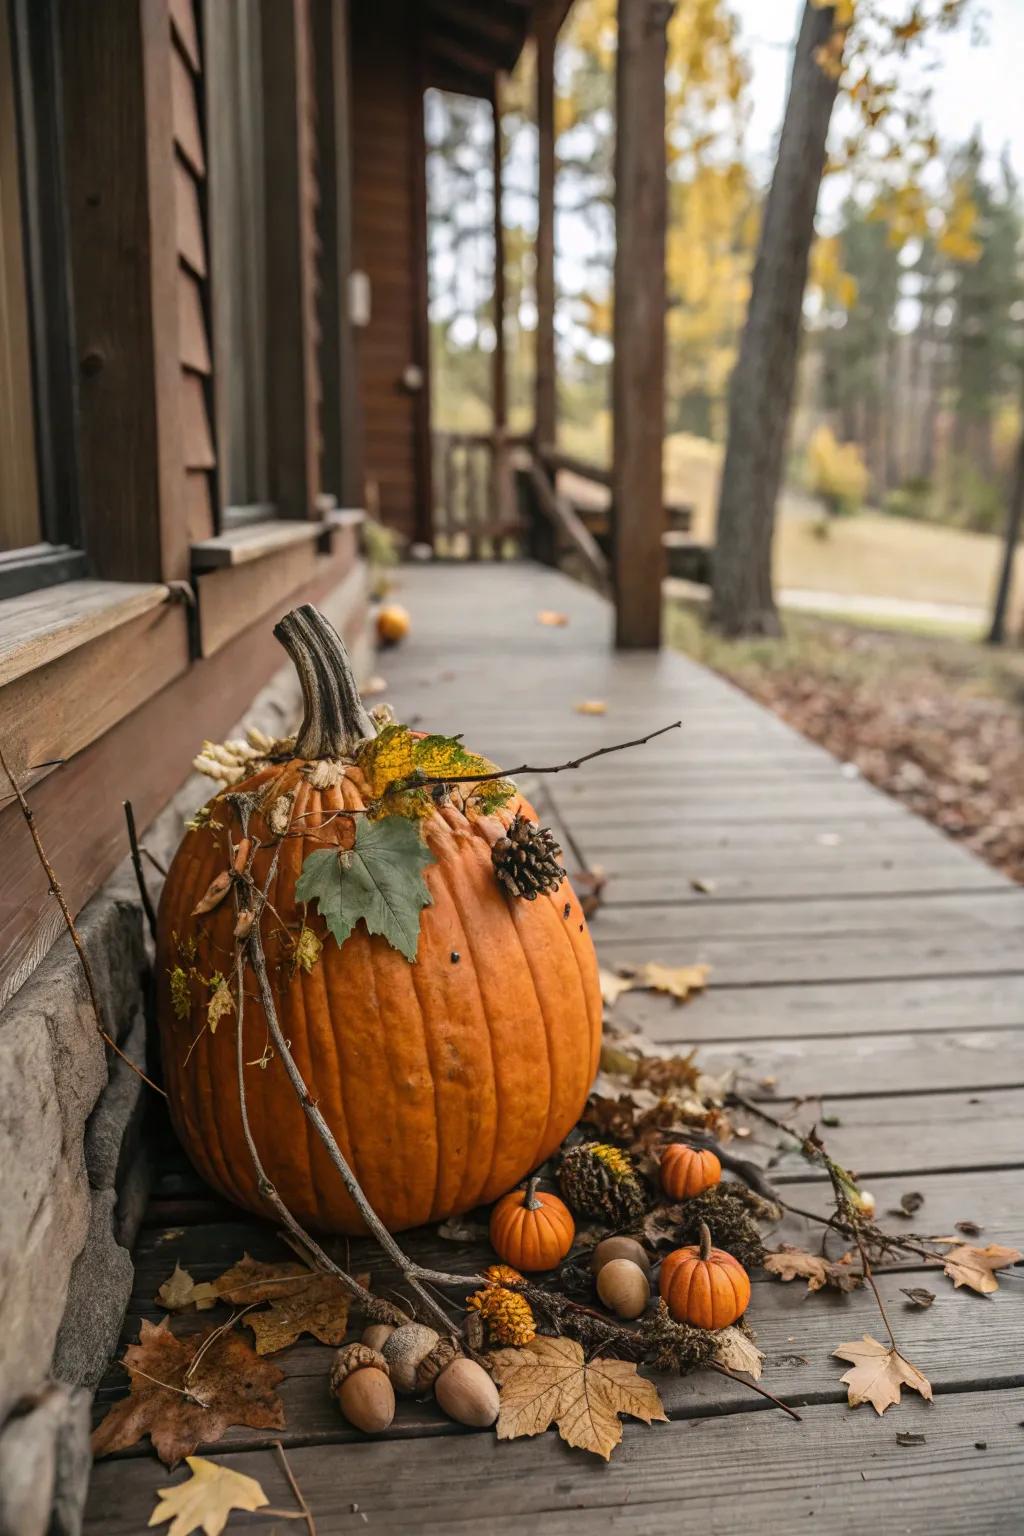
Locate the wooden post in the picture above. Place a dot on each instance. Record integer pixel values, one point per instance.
(638, 378)
(501, 484)
(290, 169)
(545, 409)
(342, 459)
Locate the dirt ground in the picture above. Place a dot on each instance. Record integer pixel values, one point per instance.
(939, 723)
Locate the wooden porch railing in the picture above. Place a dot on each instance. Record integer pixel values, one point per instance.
(475, 512)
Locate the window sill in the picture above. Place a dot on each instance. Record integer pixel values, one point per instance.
(40, 626)
(256, 541)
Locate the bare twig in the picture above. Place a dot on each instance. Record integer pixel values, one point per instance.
(755, 1386)
(76, 938)
(307, 1513)
(157, 864)
(418, 779)
(140, 879)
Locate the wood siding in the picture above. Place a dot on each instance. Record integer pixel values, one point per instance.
(388, 222)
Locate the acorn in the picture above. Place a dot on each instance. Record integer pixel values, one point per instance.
(377, 1334)
(404, 1350)
(619, 1248)
(467, 1394)
(444, 1352)
(624, 1288)
(360, 1382)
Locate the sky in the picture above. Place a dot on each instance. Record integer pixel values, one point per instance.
(974, 86)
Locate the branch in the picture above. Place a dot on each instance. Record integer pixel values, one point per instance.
(416, 780)
(76, 937)
(307, 1513)
(140, 879)
(755, 1386)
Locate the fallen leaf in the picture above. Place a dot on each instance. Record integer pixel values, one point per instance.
(551, 619)
(904, 1437)
(878, 1374)
(613, 986)
(204, 1502)
(790, 1263)
(457, 1229)
(969, 1228)
(592, 707)
(976, 1267)
(229, 1385)
(703, 887)
(677, 980)
(301, 1301)
(734, 1349)
(373, 686)
(178, 1292)
(918, 1296)
(909, 1203)
(549, 1382)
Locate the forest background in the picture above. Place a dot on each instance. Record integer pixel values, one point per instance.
(908, 415)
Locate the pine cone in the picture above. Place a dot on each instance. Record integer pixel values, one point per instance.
(598, 1180)
(526, 859)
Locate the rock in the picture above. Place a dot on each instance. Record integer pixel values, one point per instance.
(44, 1464)
(99, 1291)
(52, 1072)
(112, 1134)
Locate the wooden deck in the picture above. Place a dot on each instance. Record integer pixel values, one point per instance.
(857, 954)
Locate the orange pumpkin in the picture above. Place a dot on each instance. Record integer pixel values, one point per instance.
(444, 1080)
(532, 1230)
(392, 624)
(704, 1286)
(688, 1171)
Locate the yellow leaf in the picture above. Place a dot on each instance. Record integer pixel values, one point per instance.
(177, 1291)
(592, 707)
(975, 1267)
(612, 986)
(307, 949)
(878, 1374)
(220, 1003)
(204, 1502)
(677, 980)
(550, 1382)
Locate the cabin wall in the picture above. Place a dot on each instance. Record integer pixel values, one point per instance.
(389, 245)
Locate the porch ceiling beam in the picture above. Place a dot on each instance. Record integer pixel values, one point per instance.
(471, 58)
(638, 376)
(496, 30)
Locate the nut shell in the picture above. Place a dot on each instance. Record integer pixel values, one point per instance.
(431, 1366)
(355, 1357)
(618, 1248)
(404, 1350)
(624, 1288)
(467, 1394)
(377, 1334)
(367, 1399)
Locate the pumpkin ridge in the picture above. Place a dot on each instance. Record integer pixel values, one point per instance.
(440, 1120)
(451, 875)
(292, 850)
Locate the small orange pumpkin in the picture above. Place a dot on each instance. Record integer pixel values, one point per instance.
(531, 1230)
(688, 1171)
(392, 624)
(704, 1286)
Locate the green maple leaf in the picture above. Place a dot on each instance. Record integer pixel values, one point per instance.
(379, 879)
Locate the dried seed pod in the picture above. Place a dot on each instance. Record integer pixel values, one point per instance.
(403, 1352)
(624, 1288)
(467, 1394)
(377, 1335)
(360, 1383)
(619, 1248)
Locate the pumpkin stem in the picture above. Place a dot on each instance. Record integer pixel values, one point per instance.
(530, 1201)
(334, 719)
(705, 1241)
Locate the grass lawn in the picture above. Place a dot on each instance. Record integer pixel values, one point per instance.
(938, 722)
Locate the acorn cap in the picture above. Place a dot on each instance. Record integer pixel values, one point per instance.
(404, 1350)
(355, 1357)
(431, 1366)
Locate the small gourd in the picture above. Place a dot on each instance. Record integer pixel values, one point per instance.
(531, 1230)
(392, 624)
(624, 1288)
(688, 1171)
(610, 1248)
(704, 1286)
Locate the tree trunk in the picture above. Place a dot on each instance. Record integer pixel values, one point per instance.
(763, 382)
(1014, 519)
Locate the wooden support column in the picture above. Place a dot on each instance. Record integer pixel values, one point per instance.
(341, 467)
(545, 407)
(501, 480)
(293, 385)
(638, 377)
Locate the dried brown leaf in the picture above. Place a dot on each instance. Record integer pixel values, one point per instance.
(206, 1499)
(790, 1263)
(550, 1382)
(878, 1374)
(734, 1349)
(214, 894)
(178, 1410)
(975, 1267)
(918, 1296)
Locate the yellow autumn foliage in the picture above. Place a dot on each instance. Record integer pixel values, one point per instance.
(836, 471)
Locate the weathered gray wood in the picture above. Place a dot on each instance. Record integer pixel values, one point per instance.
(723, 1473)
